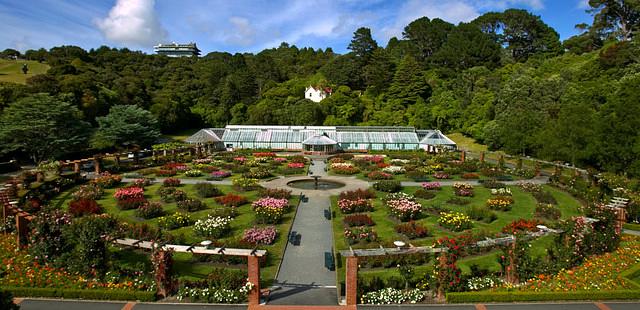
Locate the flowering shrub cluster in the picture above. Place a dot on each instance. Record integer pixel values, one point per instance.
(404, 208)
(83, 207)
(240, 159)
(354, 235)
(455, 221)
(394, 169)
(171, 182)
(169, 194)
(129, 197)
(107, 180)
(215, 294)
(548, 211)
(275, 193)
(295, 165)
(264, 154)
(412, 230)
(463, 189)
(175, 166)
(231, 200)
(257, 173)
(260, 235)
(193, 173)
(358, 220)
(357, 194)
(245, 183)
(379, 175)
(391, 295)
(502, 203)
(212, 226)
(431, 186)
(483, 283)
(150, 210)
(220, 174)
(166, 173)
(441, 175)
(174, 221)
(503, 191)
(356, 205)
(90, 191)
(279, 159)
(206, 190)
(344, 168)
(270, 210)
(468, 176)
(520, 226)
(530, 187)
(191, 205)
(597, 273)
(19, 269)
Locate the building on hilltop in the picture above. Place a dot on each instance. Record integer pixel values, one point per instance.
(177, 50)
(317, 94)
(321, 139)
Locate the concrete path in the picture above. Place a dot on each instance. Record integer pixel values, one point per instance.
(631, 232)
(318, 168)
(303, 277)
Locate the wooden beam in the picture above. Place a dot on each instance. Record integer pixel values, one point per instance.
(191, 249)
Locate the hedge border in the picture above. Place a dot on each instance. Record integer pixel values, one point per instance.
(474, 297)
(80, 293)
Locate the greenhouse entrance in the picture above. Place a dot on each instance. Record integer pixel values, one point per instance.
(320, 144)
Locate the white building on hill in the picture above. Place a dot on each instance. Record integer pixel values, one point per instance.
(317, 94)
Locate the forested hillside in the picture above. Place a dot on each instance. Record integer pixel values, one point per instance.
(504, 79)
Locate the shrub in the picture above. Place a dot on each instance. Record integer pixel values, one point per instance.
(219, 175)
(295, 165)
(174, 221)
(459, 201)
(493, 183)
(358, 205)
(279, 193)
(441, 175)
(206, 190)
(503, 191)
(431, 186)
(424, 194)
(547, 211)
(417, 175)
(481, 214)
(231, 200)
(193, 173)
(245, 184)
(260, 236)
(344, 168)
(502, 203)
(84, 207)
(379, 175)
(6, 301)
(150, 210)
(212, 226)
(389, 186)
(358, 220)
(392, 296)
(455, 221)
(357, 194)
(169, 194)
(520, 226)
(544, 197)
(107, 180)
(128, 193)
(270, 210)
(394, 169)
(412, 230)
(463, 189)
(90, 191)
(404, 209)
(166, 173)
(171, 182)
(191, 205)
(468, 176)
(354, 235)
(142, 182)
(130, 203)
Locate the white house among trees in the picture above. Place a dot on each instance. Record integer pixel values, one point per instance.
(317, 94)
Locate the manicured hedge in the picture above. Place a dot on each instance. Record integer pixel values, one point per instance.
(80, 294)
(474, 297)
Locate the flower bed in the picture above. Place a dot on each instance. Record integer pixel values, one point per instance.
(84, 207)
(270, 210)
(404, 209)
(503, 191)
(358, 205)
(344, 168)
(90, 191)
(463, 189)
(441, 175)
(547, 211)
(220, 174)
(501, 203)
(174, 221)
(379, 175)
(295, 165)
(129, 197)
(191, 205)
(231, 200)
(171, 182)
(260, 235)
(245, 184)
(597, 273)
(354, 235)
(358, 220)
(455, 221)
(212, 226)
(520, 226)
(264, 154)
(169, 194)
(150, 210)
(391, 295)
(107, 180)
(431, 186)
(193, 173)
(412, 230)
(394, 169)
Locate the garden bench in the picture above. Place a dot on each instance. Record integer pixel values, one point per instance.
(297, 239)
(328, 261)
(292, 237)
(327, 214)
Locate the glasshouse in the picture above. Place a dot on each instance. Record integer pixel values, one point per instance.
(325, 139)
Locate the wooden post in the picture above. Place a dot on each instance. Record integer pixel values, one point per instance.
(519, 163)
(116, 157)
(351, 281)
(76, 166)
(253, 270)
(482, 157)
(511, 273)
(621, 218)
(39, 176)
(442, 262)
(96, 164)
(22, 228)
(462, 156)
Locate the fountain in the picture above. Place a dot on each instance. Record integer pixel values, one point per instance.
(315, 184)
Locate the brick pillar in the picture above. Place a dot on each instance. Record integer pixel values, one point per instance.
(442, 262)
(621, 218)
(351, 281)
(96, 164)
(511, 272)
(481, 157)
(463, 154)
(116, 157)
(253, 270)
(76, 166)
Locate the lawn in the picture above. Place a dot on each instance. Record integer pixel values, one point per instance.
(523, 207)
(186, 266)
(11, 70)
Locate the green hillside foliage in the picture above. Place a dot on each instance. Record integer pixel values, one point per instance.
(504, 79)
(11, 70)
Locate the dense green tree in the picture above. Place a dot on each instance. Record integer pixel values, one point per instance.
(362, 44)
(43, 127)
(426, 36)
(467, 47)
(378, 73)
(618, 18)
(408, 83)
(126, 126)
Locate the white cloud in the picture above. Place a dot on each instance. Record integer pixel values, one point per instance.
(583, 5)
(241, 33)
(133, 22)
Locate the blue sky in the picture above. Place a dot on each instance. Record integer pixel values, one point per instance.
(243, 25)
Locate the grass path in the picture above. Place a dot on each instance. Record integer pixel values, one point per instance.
(11, 70)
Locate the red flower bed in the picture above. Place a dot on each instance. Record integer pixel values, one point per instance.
(171, 182)
(412, 230)
(231, 200)
(358, 220)
(83, 207)
(470, 176)
(358, 194)
(352, 206)
(264, 154)
(379, 175)
(295, 165)
(520, 226)
(175, 166)
(166, 172)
